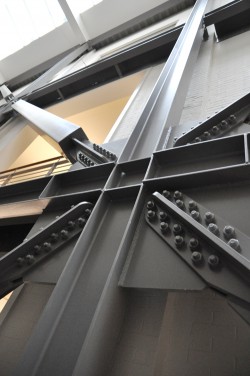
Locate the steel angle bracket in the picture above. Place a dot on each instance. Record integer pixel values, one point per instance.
(41, 246)
(219, 125)
(219, 261)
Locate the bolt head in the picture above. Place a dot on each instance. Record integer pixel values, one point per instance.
(235, 244)
(224, 124)
(30, 259)
(207, 135)
(37, 249)
(213, 261)
(194, 244)
(177, 229)
(180, 204)
(163, 216)
(54, 237)
(232, 118)
(209, 217)
(71, 225)
(81, 222)
(64, 234)
(179, 241)
(197, 139)
(229, 232)
(215, 129)
(47, 246)
(212, 227)
(196, 257)
(151, 215)
(88, 212)
(150, 205)
(192, 205)
(177, 195)
(166, 194)
(195, 214)
(164, 227)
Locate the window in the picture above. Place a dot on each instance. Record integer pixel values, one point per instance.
(23, 21)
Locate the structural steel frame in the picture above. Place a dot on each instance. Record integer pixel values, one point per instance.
(134, 199)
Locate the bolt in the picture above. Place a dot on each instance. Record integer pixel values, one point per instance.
(20, 261)
(212, 227)
(229, 232)
(235, 244)
(213, 261)
(92, 164)
(207, 135)
(94, 146)
(151, 215)
(197, 139)
(196, 257)
(71, 225)
(166, 194)
(177, 229)
(30, 259)
(47, 246)
(179, 241)
(180, 204)
(38, 249)
(192, 205)
(232, 118)
(150, 205)
(163, 216)
(209, 217)
(195, 215)
(215, 129)
(81, 222)
(54, 237)
(177, 195)
(87, 212)
(164, 227)
(64, 234)
(224, 124)
(194, 244)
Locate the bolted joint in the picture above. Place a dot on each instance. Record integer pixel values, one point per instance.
(179, 241)
(164, 227)
(213, 261)
(209, 217)
(229, 232)
(194, 244)
(235, 244)
(196, 257)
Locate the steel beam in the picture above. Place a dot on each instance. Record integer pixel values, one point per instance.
(167, 98)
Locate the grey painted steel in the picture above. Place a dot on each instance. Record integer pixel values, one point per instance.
(226, 11)
(49, 74)
(166, 101)
(57, 131)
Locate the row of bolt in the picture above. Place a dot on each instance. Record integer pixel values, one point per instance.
(87, 161)
(228, 231)
(216, 129)
(54, 238)
(104, 152)
(178, 231)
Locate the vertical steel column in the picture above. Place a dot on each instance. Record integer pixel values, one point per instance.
(167, 99)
